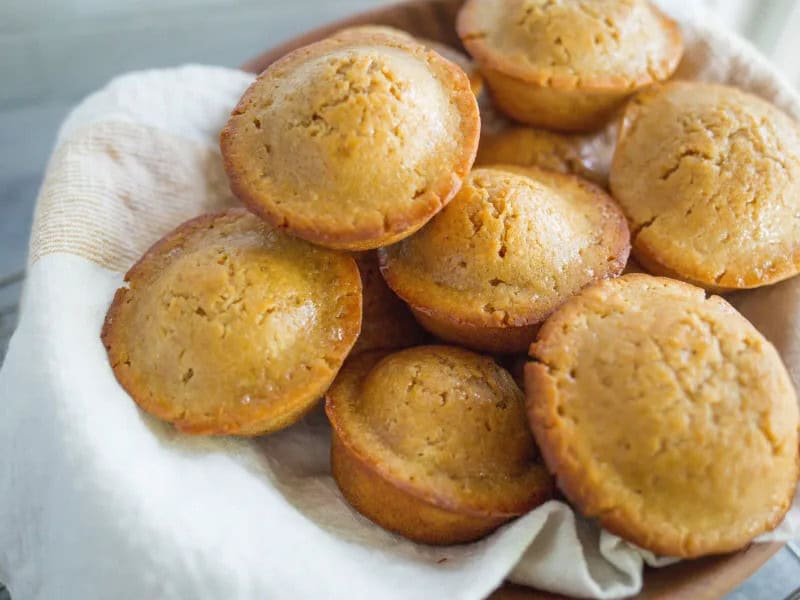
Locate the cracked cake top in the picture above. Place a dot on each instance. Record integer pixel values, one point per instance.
(709, 178)
(512, 246)
(230, 326)
(443, 424)
(588, 44)
(664, 414)
(353, 142)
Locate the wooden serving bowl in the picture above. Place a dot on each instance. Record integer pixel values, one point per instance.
(704, 579)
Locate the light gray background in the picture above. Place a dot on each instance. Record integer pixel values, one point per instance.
(54, 52)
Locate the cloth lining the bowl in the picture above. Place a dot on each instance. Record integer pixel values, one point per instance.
(100, 501)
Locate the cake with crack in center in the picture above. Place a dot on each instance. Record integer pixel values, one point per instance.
(432, 443)
(665, 415)
(709, 178)
(352, 143)
(513, 245)
(229, 326)
(568, 65)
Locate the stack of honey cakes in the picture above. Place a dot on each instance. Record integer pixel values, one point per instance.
(391, 258)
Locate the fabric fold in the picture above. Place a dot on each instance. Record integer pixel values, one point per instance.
(100, 500)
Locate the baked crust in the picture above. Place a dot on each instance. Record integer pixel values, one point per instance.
(514, 244)
(352, 142)
(228, 326)
(709, 178)
(404, 454)
(399, 511)
(665, 415)
(531, 147)
(568, 66)
(454, 56)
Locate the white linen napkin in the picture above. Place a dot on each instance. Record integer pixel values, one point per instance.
(99, 500)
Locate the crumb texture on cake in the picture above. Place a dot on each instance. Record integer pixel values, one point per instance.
(444, 424)
(513, 244)
(352, 141)
(709, 177)
(666, 415)
(455, 56)
(572, 44)
(231, 326)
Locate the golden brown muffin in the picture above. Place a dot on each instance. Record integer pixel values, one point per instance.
(352, 143)
(514, 244)
(432, 443)
(665, 415)
(229, 326)
(568, 65)
(709, 178)
(454, 56)
(559, 152)
(387, 323)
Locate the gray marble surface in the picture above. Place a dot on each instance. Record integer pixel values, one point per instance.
(54, 52)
